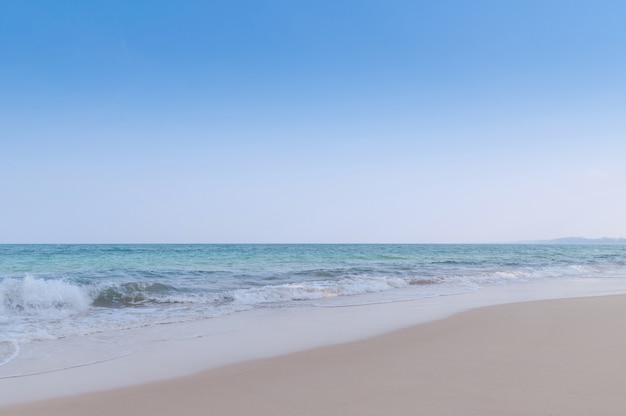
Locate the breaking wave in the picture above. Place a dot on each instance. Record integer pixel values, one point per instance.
(130, 294)
(58, 298)
(34, 296)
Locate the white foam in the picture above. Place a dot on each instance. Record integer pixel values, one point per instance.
(33, 296)
(350, 286)
(8, 351)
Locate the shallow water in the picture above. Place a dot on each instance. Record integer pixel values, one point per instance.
(54, 292)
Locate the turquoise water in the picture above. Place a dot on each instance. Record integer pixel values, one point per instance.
(56, 291)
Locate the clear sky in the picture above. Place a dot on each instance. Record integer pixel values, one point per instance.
(319, 121)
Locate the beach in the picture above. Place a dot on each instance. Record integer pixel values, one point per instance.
(267, 208)
(550, 357)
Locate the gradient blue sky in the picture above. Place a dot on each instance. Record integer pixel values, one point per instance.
(326, 121)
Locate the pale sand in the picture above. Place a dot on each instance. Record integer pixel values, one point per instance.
(556, 357)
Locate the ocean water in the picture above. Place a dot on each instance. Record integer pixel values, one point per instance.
(61, 292)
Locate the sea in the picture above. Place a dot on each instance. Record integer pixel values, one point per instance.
(65, 292)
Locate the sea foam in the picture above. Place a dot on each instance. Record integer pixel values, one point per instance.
(53, 292)
(35, 296)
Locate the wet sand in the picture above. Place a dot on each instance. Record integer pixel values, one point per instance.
(555, 357)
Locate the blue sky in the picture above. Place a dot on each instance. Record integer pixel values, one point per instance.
(283, 121)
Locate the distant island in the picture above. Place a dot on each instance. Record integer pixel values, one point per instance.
(577, 240)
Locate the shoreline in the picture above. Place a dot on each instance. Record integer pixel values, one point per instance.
(365, 323)
(540, 357)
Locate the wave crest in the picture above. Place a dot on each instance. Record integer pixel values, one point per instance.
(348, 286)
(130, 294)
(33, 296)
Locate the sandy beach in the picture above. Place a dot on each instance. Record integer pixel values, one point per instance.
(270, 208)
(551, 357)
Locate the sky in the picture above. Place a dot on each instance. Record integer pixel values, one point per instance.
(272, 121)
